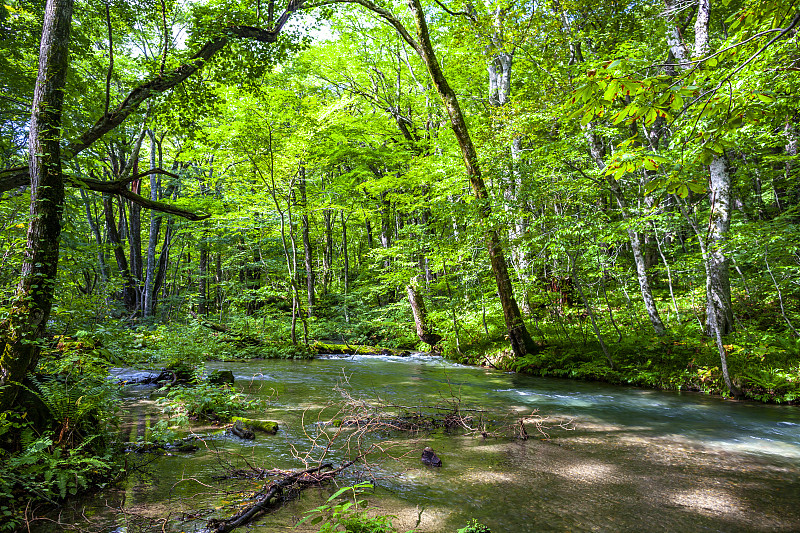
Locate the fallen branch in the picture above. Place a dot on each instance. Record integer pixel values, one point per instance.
(269, 495)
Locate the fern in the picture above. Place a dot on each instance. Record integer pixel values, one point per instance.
(69, 404)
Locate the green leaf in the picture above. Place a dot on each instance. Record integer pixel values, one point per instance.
(338, 493)
(649, 164)
(696, 187)
(653, 185)
(767, 99)
(611, 91)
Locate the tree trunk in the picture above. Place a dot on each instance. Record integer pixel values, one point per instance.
(420, 316)
(128, 285)
(499, 68)
(597, 151)
(521, 341)
(218, 294)
(701, 28)
(101, 255)
(25, 326)
(386, 226)
(345, 255)
(163, 261)
(780, 185)
(202, 279)
(327, 254)
(155, 229)
(718, 284)
(714, 328)
(135, 232)
(307, 251)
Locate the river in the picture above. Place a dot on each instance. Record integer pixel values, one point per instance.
(631, 459)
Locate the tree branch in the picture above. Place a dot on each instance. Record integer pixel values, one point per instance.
(466, 14)
(385, 14)
(18, 177)
(162, 83)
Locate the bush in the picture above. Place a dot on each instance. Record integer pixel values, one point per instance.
(350, 516)
(204, 400)
(474, 527)
(55, 464)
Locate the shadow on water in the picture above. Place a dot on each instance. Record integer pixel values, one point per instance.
(637, 460)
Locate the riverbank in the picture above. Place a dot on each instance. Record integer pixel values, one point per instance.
(672, 362)
(767, 372)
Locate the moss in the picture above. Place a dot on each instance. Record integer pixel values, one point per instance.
(352, 349)
(267, 426)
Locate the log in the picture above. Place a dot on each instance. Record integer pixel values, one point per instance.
(268, 496)
(242, 431)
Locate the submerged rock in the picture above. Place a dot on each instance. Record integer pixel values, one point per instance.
(430, 458)
(185, 447)
(221, 377)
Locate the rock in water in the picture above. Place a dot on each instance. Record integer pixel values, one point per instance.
(430, 458)
(221, 377)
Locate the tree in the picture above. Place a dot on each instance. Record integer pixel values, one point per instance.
(27, 320)
(521, 342)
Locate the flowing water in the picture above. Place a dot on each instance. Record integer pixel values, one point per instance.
(635, 460)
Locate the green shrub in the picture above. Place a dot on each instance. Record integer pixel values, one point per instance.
(474, 527)
(350, 516)
(204, 400)
(45, 469)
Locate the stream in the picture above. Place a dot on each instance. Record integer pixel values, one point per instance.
(634, 460)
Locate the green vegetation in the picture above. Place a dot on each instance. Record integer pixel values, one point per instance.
(474, 527)
(351, 516)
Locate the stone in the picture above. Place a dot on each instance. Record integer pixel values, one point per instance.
(221, 377)
(430, 458)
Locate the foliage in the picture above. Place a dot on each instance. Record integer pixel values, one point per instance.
(351, 516)
(46, 469)
(172, 346)
(83, 354)
(474, 527)
(203, 400)
(77, 407)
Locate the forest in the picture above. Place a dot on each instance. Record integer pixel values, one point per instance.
(605, 191)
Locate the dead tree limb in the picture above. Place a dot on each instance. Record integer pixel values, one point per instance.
(269, 496)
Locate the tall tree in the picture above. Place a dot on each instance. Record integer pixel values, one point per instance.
(521, 342)
(25, 326)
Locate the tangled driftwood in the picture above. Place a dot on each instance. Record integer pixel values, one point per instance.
(275, 492)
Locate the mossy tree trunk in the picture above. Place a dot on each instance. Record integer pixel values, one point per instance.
(22, 330)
